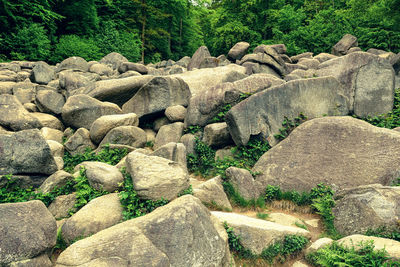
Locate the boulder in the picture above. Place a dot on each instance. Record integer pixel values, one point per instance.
(113, 60)
(80, 111)
(155, 178)
(14, 116)
(176, 113)
(6, 87)
(298, 164)
(99, 214)
(322, 57)
(169, 133)
(49, 101)
(79, 142)
(238, 51)
(47, 120)
(101, 69)
(52, 134)
(203, 79)
(183, 62)
(296, 58)
(157, 95)
(172, 151)
(178, 234)
(212, 192)
(56, 180)
(209, 62)
(127, 66)
(266, 59)
(203, 107)
(160, 122)
(244, 183)
(104, 124)
(256, 234)
(26, 152)
(27, 230)
(367, 207)
(42, 73)
(263, 113)
(368, 82)
(62, 206)
(125, 135)
(71, 81)
(309, 63)
(8, 76)
(320, 243)
(198, 57)
(189, 141)
(25, 91)
(42, 261)
(102, 176)
(342, 47)
(57, 149)
(216, 135)
(73, 63)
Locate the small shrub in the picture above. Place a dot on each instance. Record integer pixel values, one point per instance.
(301, 225)
(235, 244)
(220, 117)
(262, 216)
(187, 191)
(385, 233)
(192, 129)
(289, 125)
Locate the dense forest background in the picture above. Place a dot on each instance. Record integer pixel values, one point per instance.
(52, 30)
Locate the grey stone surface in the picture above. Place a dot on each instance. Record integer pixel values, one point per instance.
(126, 135)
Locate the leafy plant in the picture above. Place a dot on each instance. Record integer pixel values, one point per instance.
(192, 129)
(149, 144)
(289, 125)
(187, 191)
(235, 245)
(262, 215)
(301, 225)
(220, 117)
(362, 254)
(384, 232)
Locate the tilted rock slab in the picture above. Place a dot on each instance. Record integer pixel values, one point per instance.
(212, 192)
(338, 151)
(26, 152)
(27, 230)
(157, 95)
(179, 234)
(80, 111)
(368, 82)
(155, 177)
(264, 112)
(367, 207)
(257, 234)
(203, 107)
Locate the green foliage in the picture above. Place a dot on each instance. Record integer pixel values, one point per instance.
(73, 45)
(187, 191)
(362, 254)
(192, 129)
(60, 243)
(132, 204)
(289, 125)
(262, 215)
(220, 117)
(106, 155)
(235, 244)
(390, 120)
(30, 43)
(301, 225)
(385, 233)
(238, 200)
(149, 144)
(203, 159)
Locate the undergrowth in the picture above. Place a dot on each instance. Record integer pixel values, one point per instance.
(361, 255)
(385, 233)
(288, 125)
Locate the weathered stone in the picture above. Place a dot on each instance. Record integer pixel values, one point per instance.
(198, 57)
(47, 120)
(113, 60)
(49, 101)
(6, 87)
(56, 180)
(25, 91)
(263, 113)
(157, 95)
(73, 63)
(126, 66)
(25, 152)
(203, 107)
(102, 176)
(172, 151)
(266, 59)
(224, 153)
(322, 57)
(160, 122)
(183, 62)
(256, 68)
(79, 142)
(238, 51)
(283, 219)
(27, 230)
(342, 47)
(57, 149)
(293, 67)
(8, 76)
(150, 135)
(391, 246)
(354, 49)
(296, 58)
(104, 124)
(244, 183)
(71, 81)
(320, 243)
(169, 133)
(367, 207)
(368, 82)
(62, 206)
(178, 234)
(189, 140)
(217, 134)
(125, 135)
(42, 73)
(297, 164)
(14, 116)
(155, 178)
(212, 192)
(101, 69)
(30, 107)
(175, 113)
(209, 62)
(279, 48)
(203, 79)
(80, 111)
(256, 234)
(39, 261)
(309, 63)
(52, 134)
(100, 213)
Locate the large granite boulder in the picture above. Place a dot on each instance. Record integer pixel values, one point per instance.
(180, 234)
(42, 73)
(74, 63)
(113, 60)
(26, 152)
(238, 51)
(368, 82)
(343, 46)
(157, 95)
(264, 112)
(102, 176)
(125, 135)
(212, 193)
(155, 177)
(27, 230)
(367, 207)
(14, 116)
(49, 101)
(198, 57)
(169, 133)
(338, 151)
(203, 107)
(80, 111)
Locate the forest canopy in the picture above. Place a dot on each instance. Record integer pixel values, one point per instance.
(152, 30)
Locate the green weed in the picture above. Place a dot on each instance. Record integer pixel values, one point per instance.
(187, 191)
(262, 215)
(289, 125)
(384, 232)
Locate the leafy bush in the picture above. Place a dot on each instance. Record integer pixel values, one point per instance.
(361, 255)
(193, 129)
(289, 125)
(30, 43)
(187, 191)
(385, 233)
(106, 155)
(73, 45)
